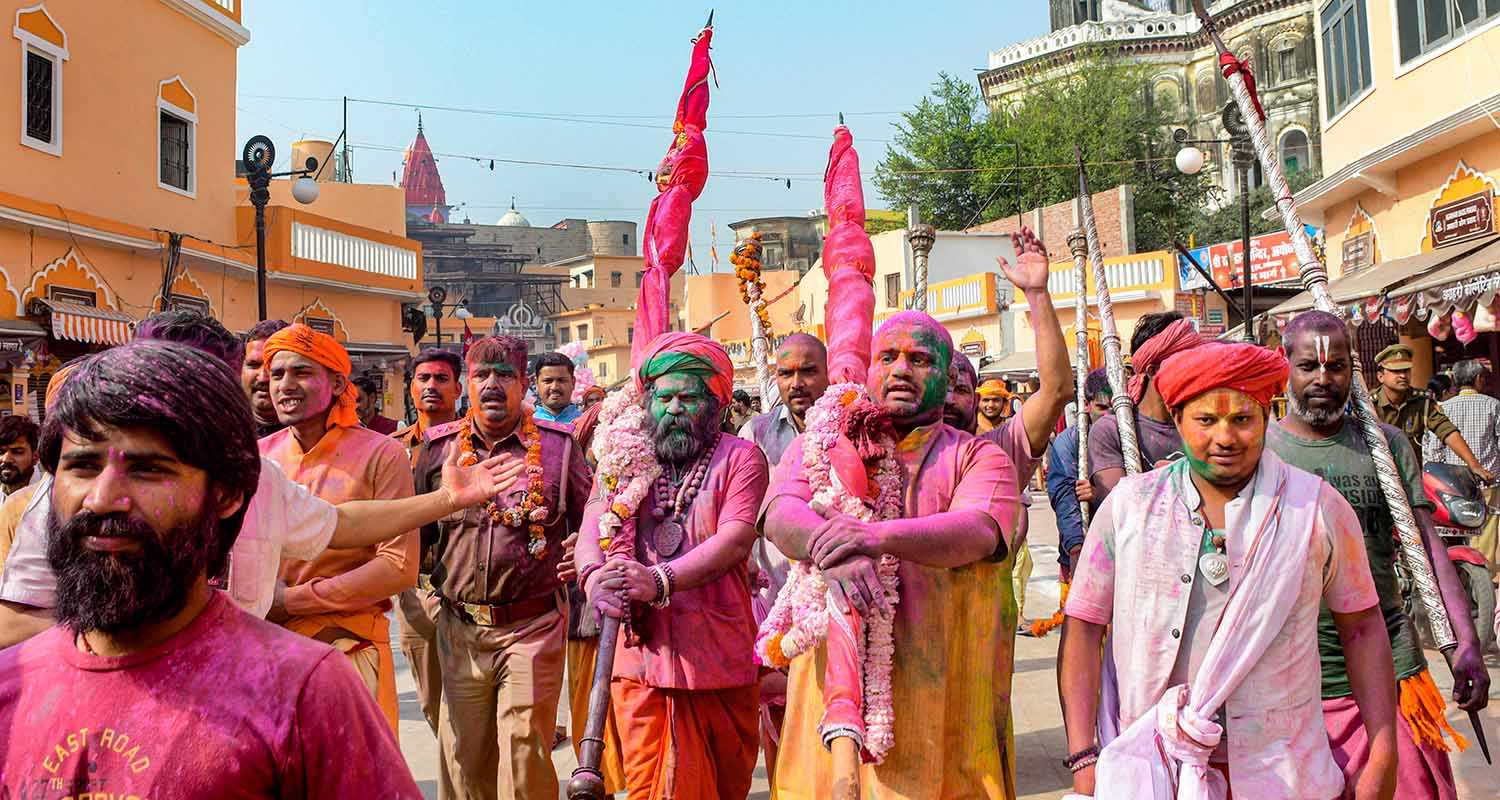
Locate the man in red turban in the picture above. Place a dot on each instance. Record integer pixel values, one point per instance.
(1211, 572)
(684, 691)
(1156, 338)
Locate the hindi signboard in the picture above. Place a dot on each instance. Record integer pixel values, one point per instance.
(1357, 251)
(1462, 220)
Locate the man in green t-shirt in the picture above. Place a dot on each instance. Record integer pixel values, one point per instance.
(1317, 435)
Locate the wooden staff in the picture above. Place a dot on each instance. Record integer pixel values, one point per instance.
(1315, 281)
(1078, 243)
(587, 782)
(1114, 361)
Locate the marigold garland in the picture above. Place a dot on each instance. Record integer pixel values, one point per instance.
(531, 511)
(1042, 627)
(747, 267)
(799, 619)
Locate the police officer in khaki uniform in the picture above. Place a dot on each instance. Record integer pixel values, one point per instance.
(1416, 411)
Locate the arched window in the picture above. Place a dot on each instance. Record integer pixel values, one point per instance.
(1206, 94)
(1296, 153)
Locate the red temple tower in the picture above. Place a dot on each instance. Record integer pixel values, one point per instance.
(425, 198)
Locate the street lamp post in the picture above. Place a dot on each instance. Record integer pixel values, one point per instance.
(438, 296)
(1190, 160)
(259, 155)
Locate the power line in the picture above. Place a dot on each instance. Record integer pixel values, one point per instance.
(569, 114)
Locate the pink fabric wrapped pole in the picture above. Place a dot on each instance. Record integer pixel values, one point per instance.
(848, 263)
(679, 181)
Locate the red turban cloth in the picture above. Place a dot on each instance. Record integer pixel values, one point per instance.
(325, 350)
(679, 351)
(1175, 338)
(1251, 369)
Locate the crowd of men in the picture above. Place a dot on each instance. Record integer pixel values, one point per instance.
(203, 543)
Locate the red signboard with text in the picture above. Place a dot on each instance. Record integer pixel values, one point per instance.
(1272, 260)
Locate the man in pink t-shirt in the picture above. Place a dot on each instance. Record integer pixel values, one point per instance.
(152, 684)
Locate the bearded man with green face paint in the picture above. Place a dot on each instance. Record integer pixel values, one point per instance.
(684, 691)
(958, 520)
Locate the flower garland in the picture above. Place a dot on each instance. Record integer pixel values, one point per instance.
(799, 619)
(530, 512)
(628, 468)
(746, 261)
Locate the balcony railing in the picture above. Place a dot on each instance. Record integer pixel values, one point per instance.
(961, 297)
(332, 247)
(231, 8)
(1141, 271)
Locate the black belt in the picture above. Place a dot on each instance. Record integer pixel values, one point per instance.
(504, 614)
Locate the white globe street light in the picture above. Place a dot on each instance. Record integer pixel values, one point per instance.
(1189, 160)
(305, 190)
(462, 312)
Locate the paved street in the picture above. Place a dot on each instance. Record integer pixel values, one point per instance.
(1040, 745)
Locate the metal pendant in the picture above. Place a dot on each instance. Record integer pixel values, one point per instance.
(1215, 568)
(669, 536)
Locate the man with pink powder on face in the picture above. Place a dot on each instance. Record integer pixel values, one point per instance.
(959, 516)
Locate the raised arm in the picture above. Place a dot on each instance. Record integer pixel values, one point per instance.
(1040, 411)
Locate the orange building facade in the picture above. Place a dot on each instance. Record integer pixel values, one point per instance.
(111, 143)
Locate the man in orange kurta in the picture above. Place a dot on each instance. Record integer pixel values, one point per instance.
(952, 636)
(342, 596)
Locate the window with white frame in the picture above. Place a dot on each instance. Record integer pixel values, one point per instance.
(1346, 52)
(176, 133)
(1426, 25)
(44, 48)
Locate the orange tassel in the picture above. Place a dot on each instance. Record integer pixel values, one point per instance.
(1422, 705)
(1042, 627)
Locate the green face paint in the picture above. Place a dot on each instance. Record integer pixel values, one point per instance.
(679, 394)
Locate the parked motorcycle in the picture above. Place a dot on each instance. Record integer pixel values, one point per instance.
(1459, 513)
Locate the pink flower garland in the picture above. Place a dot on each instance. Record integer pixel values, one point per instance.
(799, 619)
(627, 462)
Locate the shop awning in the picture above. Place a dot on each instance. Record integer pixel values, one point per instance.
(1383, 278)
(1023, 362)
(89, 324)
(375, 349)
(1473, 274)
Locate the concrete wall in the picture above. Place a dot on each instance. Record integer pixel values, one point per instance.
(613, 238)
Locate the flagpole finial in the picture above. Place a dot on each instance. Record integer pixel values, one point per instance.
(710, 22)
(841, 118)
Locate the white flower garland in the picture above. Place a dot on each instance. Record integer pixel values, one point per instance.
(799, 619)
(627, 460)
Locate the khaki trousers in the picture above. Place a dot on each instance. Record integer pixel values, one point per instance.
(500, 690)
(417, 623)
(1020, 575)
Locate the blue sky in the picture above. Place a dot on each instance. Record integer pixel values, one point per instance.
(620, 63)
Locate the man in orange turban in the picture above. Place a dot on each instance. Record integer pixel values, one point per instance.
(685, 689)
(340, 597)
(994, 405)
(1210, 573)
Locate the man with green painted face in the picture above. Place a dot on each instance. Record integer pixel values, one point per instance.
(958, 521)
(501, 628)
(684, 689)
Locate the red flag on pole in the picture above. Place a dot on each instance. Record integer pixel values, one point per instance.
(469, 337)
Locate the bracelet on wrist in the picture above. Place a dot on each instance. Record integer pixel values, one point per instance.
(662, 599)
(1076, 761)
(670, 577)
(588, 569)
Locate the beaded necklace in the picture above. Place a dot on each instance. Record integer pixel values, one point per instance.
(670, 532)
(530, 512)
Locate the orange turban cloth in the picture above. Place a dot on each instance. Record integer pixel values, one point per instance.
(55, 385)
(1175, 338)
(679, 351)
(1254, 370)
(994, 388)
(325, 350)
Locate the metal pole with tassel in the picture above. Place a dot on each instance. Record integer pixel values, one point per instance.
(1114, 360)
(747, 267)
(1315, 281)
(1078, 243)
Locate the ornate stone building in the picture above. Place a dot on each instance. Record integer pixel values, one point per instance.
(1278, 36)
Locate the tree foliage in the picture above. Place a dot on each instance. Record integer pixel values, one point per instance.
(1021, 157)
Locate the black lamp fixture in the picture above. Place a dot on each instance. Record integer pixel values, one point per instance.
(259, 156)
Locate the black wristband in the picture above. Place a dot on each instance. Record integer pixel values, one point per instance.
(1073, 760)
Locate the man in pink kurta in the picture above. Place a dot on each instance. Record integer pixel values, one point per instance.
(951, 635)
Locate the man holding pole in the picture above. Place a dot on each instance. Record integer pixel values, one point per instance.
(684, 687)
(1316, 436)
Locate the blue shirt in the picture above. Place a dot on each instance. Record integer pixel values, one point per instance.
(565, 417)
(1062, 474)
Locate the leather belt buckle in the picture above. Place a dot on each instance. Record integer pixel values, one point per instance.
(480, 614)
(424, 581)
